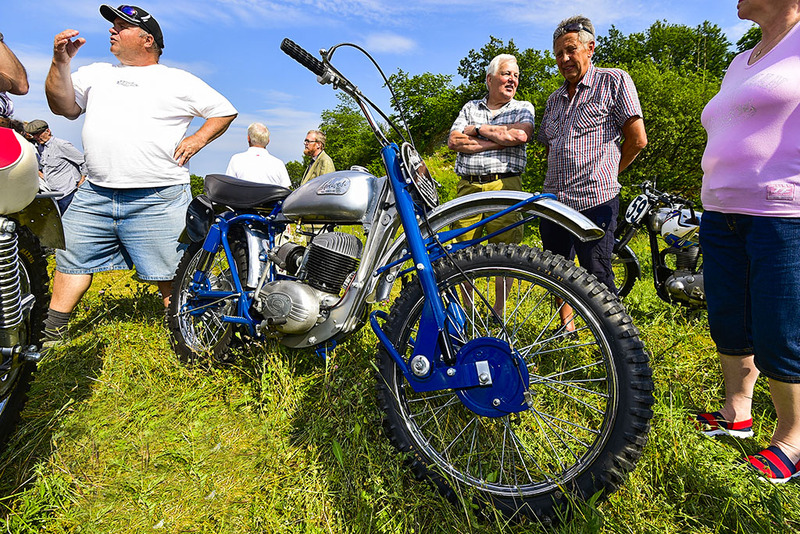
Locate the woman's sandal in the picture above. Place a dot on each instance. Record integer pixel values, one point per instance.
(713, 424)
(774, 465)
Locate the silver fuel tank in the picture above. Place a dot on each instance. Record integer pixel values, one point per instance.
(342, 197)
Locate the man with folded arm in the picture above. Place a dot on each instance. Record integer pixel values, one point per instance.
(490, 135)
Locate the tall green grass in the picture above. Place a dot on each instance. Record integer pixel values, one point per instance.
(119, 437)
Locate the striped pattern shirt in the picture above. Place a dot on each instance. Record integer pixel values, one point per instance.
(508, 159)
(583, 136)
(6, 106)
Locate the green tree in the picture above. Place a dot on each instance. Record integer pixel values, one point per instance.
(350, 140)
(295, 169)
(672, 103)
(430, 103)
(750, 39)
(703, 48)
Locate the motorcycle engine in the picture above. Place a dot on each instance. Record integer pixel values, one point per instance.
(686, 282)
(322, 269)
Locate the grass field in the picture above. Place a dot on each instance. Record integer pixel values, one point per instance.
(118, 436)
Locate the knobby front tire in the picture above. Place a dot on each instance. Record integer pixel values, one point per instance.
(592, 391)
(16, 376)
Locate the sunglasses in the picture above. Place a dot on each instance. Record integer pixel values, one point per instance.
(309, 141)
(576, 27)
(134, 13)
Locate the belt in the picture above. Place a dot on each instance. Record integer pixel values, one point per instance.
(485, 178)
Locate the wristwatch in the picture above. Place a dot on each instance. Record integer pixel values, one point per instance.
(478, 130)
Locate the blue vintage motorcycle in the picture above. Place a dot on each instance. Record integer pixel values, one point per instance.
(478, 380)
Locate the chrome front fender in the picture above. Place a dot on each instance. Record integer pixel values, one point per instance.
(481, 203)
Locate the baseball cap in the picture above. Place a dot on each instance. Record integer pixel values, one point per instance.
(136, 16)
(36, 127)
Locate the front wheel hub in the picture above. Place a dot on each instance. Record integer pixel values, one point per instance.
(508, 382)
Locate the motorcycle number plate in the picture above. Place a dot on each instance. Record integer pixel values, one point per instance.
(637, 209)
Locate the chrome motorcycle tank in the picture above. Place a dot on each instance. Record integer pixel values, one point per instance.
(342, 197)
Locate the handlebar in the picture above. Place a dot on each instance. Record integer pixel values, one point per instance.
(667, 198)
(328, 74)
(297, 53)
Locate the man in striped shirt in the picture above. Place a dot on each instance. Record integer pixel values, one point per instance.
(593, 129)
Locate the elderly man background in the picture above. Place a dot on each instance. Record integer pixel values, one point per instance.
(314, 147)
(257, 164)
(593, 129)
(61, 165)
(131, 210)
(490, 136)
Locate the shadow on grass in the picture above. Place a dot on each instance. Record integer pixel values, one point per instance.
(62, 381)
(64, 378)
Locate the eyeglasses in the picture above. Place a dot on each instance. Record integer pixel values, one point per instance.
(576, 27)
(309, 141)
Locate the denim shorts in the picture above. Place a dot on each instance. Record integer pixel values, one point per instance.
(751, 268)
(110, 229)
(595, 255)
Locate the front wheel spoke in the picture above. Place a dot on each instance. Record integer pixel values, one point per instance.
(552, 377)
(457, 436)
(525, 456)
(434, 412)
(572, 424)
(534, 308)
(544, 426)
(576, 399)
(573, 384)
(517, 445)
(473, 446)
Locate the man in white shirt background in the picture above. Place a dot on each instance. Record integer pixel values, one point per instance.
(257, 164)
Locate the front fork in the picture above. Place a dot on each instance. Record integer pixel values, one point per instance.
(15, 307)
(435, 363)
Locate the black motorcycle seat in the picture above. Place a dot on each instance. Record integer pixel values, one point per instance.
(241, 194)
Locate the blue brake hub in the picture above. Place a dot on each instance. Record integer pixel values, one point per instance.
(508, 374)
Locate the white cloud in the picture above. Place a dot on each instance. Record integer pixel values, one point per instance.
(389, 42)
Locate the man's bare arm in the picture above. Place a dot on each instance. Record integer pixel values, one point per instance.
(13, 78)
(58, 85)
(210, 130)
(635, 140)
(469, 144)
(514, 134)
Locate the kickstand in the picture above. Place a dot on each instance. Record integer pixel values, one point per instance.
(323, 349)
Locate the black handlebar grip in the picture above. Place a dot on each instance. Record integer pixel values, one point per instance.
(294, 51)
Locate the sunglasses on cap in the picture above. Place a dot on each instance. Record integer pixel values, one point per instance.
(133, 13)
(576, 27)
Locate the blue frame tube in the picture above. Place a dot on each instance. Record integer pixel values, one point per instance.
(218, 235)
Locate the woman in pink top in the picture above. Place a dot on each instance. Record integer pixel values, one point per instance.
(750, 233)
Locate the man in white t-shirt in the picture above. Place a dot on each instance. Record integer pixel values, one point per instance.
(131, 209)
(257, 164)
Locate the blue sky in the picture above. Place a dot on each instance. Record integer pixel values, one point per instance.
(233, 45)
